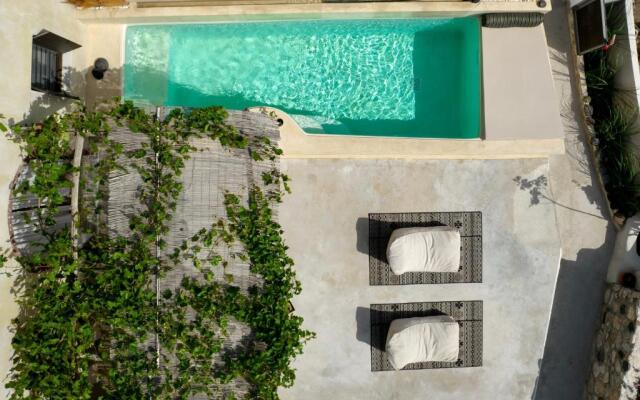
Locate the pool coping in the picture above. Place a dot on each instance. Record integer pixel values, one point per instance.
(248, 12)
(296, 143)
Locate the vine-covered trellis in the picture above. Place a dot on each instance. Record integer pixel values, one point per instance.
(181, 287)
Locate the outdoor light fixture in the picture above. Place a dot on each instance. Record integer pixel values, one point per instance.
(100, 66)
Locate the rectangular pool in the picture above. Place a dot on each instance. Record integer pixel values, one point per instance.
(398, 77)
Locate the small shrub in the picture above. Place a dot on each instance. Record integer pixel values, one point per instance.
(615, 125)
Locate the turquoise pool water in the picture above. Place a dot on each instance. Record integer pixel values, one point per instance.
(405, 78)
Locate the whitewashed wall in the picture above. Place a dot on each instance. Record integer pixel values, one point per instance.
(19, 21)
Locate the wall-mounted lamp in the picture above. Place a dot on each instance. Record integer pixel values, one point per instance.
(100, 66)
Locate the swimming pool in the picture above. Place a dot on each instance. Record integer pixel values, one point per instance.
(399, 77)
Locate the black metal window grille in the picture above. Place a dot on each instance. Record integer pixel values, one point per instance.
(46, 68)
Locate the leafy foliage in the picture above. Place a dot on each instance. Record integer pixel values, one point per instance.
(614, 124)
(269, 306)
(91, 322)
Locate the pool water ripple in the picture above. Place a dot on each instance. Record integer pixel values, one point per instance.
(412, 77)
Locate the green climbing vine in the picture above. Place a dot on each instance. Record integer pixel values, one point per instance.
(270, 309)
(91, 324)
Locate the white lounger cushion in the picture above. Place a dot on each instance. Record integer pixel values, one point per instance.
(422, 339)
(424, 249)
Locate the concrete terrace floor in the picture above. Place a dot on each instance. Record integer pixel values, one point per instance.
(529, 229)
(557, 209)
(586, 235)
(325, 224)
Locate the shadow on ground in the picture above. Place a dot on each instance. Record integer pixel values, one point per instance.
(575, 317)
(364, 315)
(362, 233)
(382, 232)
(538, 190)
(577, 303)
(363, 324)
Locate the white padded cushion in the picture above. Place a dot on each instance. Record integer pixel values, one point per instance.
(424, 249)
(423, 339)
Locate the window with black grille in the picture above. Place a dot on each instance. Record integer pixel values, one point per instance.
(46, 61)
(46, 69)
